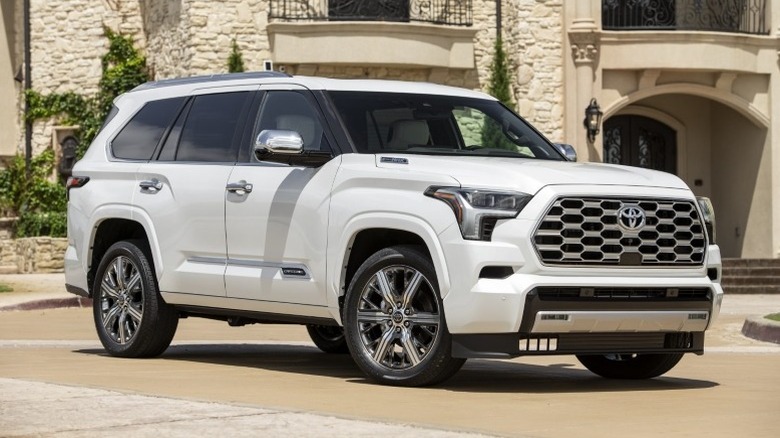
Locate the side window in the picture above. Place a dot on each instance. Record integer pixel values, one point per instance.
(291, 111)
(138, 139)
(209, 131)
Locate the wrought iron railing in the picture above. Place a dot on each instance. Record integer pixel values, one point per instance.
(446, 12)
(738, 16)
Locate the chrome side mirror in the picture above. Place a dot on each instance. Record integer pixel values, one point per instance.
(567, 150)
(279, 142)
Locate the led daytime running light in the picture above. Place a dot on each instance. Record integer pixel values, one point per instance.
(472, 206)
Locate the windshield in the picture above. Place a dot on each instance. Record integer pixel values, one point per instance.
(437, 125)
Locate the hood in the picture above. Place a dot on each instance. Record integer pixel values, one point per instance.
(528, 175)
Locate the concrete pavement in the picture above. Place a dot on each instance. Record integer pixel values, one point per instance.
(33, 409)
(730, 391)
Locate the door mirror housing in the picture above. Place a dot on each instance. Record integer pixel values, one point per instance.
(279, 142)
(567, 150)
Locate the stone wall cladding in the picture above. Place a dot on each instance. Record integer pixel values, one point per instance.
(212, 27)
(534, 34)
(67, 42)
(167, 35)
(193, 37)
(32, 255)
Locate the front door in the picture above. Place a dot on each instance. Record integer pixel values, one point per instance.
(277, 228)
(640, 141)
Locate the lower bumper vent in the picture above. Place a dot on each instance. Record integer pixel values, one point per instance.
(538, 344)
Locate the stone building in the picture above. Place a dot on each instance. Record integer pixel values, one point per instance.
(685, 86)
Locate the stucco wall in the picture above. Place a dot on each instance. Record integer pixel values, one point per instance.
(694, 149)
(731, 156)
(742, 190)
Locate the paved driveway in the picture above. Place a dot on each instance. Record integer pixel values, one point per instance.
(730, 391)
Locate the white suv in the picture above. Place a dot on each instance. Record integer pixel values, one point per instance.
(412, 225)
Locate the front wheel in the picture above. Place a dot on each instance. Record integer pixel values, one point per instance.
(131, 318)
(630, 366)
(394, 320)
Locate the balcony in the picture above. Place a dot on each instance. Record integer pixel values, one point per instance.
(442, 12)
(397, 33)
(732, 16)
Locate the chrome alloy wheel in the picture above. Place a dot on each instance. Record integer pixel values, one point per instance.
(121, 300)
(398, 317)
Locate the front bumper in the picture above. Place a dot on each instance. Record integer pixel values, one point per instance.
(505, 345)
(476, 305)
(500, 315)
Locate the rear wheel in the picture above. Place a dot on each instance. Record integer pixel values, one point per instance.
(329, 339)
(630, 366)
(394, 320)
(131, 318)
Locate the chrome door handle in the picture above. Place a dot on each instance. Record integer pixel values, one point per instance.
(151, 186)
(239, 188)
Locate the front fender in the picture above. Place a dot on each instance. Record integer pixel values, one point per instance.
(338, 252)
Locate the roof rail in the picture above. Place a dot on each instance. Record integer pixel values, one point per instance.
(211, 78)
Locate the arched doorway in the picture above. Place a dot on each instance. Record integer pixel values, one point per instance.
(640, 141)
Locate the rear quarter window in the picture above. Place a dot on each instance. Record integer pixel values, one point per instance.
(139, 138)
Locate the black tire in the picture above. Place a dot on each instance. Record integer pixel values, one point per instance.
(418, 329)
(147, 336)
(329, 339)
(630, 366)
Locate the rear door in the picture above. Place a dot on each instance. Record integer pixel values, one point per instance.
(183, 191)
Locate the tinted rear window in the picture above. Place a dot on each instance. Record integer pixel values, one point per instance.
(140, 136)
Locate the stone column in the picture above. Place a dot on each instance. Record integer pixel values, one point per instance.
(774, 133)
(8, 93)
(584, 38)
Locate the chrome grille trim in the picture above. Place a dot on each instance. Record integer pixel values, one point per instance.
(585, 231)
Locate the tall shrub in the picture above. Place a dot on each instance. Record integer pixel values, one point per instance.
(235, 59)
(39, 202)
(498, 87)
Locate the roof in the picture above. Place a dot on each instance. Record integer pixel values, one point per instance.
(170, 87)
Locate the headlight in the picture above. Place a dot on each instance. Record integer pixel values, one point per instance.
(707, 216)
(477, 210)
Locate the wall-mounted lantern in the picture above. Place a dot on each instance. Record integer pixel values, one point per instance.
(592, 120)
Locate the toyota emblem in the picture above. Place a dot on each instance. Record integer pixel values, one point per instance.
(631, 218)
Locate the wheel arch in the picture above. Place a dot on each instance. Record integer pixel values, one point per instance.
(112, 224)
(369, 233)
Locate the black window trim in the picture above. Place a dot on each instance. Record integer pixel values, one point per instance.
(333, 116)
(183, 115)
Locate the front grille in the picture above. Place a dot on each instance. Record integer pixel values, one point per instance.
(632, 294)
(588, 231)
